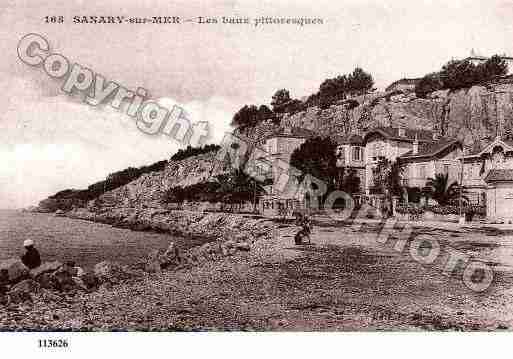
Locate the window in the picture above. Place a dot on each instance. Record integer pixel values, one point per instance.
(422, 171)
(272, 146)
(356, 154)
(378, 149)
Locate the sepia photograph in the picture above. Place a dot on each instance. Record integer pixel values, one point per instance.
(239, 167)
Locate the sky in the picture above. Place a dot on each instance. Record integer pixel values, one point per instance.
(51, 141)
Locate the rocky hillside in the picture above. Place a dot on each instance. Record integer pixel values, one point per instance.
(472, 115)
(148, 189)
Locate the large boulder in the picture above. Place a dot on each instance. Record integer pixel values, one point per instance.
(48, 281)
(23, 291)
(63, 280)
(46, 267)
(112, 272)
(153, 262)
(17, 270)
(89, 280)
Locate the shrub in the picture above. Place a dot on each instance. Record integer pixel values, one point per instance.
(409, 209)
(454, 209)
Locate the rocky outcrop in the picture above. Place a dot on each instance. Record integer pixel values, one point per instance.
(15, 268)
(46, 267)
(114, 273)
(471, 115)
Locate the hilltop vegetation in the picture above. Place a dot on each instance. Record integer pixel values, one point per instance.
(330, 92)
(66, 199)
(457, 74)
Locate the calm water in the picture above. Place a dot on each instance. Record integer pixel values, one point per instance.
(84, 242)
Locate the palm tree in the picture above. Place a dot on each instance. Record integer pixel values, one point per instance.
(237, 187)
(441, 190)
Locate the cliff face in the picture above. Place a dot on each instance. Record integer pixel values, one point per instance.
(472, 115)
(148, 189)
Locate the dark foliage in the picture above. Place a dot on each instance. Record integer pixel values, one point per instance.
(458, 74)
(280, 98)
(235, 187)
(194, 151)
(351, 182)
(66, 199)
(317, 158)
(249, 116)
(428, 84)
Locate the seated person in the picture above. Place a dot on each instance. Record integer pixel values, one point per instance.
(31, 257)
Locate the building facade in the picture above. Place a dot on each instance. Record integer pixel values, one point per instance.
(388, 143)
(488, 176)
(430, 158)
(350, 155)
(281, 197)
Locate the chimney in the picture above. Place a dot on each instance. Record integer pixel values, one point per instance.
(415, 145)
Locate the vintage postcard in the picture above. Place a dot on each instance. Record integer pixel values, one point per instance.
(247, 166)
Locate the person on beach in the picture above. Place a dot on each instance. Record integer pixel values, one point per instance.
(303, 221)
(31, 258)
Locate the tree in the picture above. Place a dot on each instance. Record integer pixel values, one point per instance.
(249, 116)
(457, 74)
(246, 116)
(428, 84)
(360, 82)
(174, 195)
(317, 157)
(387, 177)
(351, 182)
(190, 151)
(265, 113)
(280, 98)
(238, 187)
(441, 190)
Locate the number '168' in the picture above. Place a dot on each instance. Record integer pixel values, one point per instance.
(54, 19)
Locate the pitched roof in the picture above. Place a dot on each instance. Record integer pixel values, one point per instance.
(352, 139)
(498, 175)
(432, 148)
(393, 133)
(479, 150)
(295, 132)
